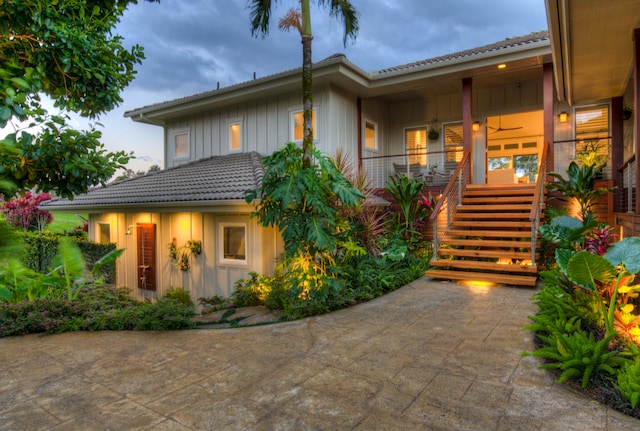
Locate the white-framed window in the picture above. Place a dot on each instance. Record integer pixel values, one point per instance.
(592, 133)
(180, 141)
(453, 143)
(233, 243)
(370, 135)
(415, 139)
(103, 232)
(297, 125)
(235, 136)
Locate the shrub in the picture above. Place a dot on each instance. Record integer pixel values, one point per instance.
(165, 314)
(23, 212)
(179, 294)
(96, 308)
(628, 382)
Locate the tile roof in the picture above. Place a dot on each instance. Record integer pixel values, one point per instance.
(218, 178)
(507, 43)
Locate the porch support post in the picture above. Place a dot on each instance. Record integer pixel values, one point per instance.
(636, 107)
(548, 115)
(617, 150)
(467, 114)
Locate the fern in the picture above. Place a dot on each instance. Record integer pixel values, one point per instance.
(577, 354)
(629, 382)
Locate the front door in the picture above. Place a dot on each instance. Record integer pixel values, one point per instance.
(514, 144)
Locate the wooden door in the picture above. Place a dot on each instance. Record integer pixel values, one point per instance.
(146, 233)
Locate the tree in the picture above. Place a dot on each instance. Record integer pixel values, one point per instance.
(301, 20)
(64, 49)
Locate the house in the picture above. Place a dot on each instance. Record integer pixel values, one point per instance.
(504, 115)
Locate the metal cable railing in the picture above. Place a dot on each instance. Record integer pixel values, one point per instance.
(447, 205)
(538, 202)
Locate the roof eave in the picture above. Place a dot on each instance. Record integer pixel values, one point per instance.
(268, 85)
(456, 65)
(219, 206)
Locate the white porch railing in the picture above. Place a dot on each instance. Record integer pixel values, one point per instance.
(451, 198)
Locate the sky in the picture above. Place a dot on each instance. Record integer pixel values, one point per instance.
(192, 45)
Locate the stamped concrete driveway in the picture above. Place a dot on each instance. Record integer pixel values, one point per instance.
(430, 356)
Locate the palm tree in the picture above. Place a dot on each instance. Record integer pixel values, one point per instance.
(301, 20)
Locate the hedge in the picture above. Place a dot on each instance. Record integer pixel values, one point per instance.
(40, 247)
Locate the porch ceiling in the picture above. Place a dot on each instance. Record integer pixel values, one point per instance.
(592, 42)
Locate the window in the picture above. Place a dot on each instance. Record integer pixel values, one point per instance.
(181, 144)
(103, 233)
(526, 165)
(453, 145)
(416, 145)
(592, 135)
(370, 135)
(233, 248)
(298, 125)
(235, 136)
(496, 163)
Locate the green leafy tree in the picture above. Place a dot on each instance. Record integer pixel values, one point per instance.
(301, 21)
(64, 49)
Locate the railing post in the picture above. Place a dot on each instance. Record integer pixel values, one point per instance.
(629, 189)
(460, 187)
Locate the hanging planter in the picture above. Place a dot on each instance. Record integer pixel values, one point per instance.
(627, 112)
(433, 133)
(181, 256)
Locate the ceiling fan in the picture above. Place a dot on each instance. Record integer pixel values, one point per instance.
(502, 129)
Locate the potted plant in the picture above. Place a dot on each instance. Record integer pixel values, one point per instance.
(433, 133)
(627, 112)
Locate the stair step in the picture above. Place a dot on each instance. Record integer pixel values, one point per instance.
(495, 208)
(491, 224)
(514, 280)
(486, 243)
(460, 252)
(485, 266)
(491, 233)
(498, 199)
(491, 216)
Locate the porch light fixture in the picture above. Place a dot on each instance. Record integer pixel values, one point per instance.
(563, 117)
(502, 66)
(475, 126)
(128, 232)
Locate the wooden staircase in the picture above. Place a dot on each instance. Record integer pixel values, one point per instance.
(489, 238)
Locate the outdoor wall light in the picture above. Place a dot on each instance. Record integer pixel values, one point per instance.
(563, 117)
(128, 232)
(475, 126)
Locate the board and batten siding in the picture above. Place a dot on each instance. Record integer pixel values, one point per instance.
(208, 275)
(266, 125)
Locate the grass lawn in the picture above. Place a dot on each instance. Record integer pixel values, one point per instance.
(64, 222)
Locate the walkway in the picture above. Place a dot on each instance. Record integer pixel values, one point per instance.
(430, 356)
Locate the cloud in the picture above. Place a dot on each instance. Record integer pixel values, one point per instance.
(191, 46)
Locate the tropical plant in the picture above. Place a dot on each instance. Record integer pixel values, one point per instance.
(301, 21)
(628, 382)
(580, 185)
(368, 219)
(415, 208)
(303, 201)
(24, 212)
(68, 51)
(577, 354)
(70, 268)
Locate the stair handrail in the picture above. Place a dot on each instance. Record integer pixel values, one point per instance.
(538, 202)
(451, 196)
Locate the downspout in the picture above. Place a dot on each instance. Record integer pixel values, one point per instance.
(636, 108)
(359, 132)
(548, 113)
(467, 118)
